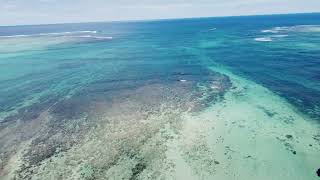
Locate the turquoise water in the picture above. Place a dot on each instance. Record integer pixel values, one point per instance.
(225, 98)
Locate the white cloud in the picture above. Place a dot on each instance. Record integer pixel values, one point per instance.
(55, 11)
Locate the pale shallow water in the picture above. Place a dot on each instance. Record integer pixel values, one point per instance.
(178, 99)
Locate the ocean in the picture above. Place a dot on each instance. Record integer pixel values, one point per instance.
(202, 98)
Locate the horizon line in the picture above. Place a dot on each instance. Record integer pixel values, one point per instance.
(158, 19)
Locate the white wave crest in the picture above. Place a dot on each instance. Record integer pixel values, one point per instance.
(263, 39)
(50, 34)
(269, 31)
(279, 36)
(297, 28)
(94, 37)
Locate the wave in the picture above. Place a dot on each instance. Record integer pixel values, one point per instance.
(15, 36)
(270, 38)
(263, 39)
(94, 37)
(297, 28)
(50, 34)
(68, 33)
(269, 31)
(279, 36)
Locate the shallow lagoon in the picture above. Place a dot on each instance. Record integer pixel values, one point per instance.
(216, 98)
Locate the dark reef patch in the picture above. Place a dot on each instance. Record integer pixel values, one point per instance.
(137, 170)
(30, 112)
(287, 142)
(288, 136)
(71, 108)
(317, 138)
(268, 112)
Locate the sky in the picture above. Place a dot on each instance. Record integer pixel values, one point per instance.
(18, 12)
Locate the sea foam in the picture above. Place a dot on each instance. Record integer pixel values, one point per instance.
(297, 28)
(50, 34)
(94, 37)
(280, 36)
(269, 31)
(263, 39)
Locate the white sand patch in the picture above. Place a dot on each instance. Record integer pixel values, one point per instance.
(258, 135)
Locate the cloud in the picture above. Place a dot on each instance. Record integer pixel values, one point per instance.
(61, 11)
(8, 7)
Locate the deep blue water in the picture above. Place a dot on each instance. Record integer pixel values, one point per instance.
(154, 50)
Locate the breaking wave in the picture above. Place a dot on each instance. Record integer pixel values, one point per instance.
(263, 39)
(297, 28)
(68, 33)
